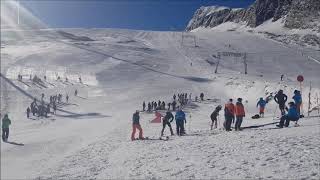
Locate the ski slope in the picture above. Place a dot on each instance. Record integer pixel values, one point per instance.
(89, 138)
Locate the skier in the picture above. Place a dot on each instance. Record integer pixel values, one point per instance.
(159, 104)
(281, 77)
(292, 115)
(201, 96)
(45, 78)
(42, 96)
(196, 98)
(180, 120)
(155, 105)
(34, 107)
(281, 99)
(48, 109)
(80, 80)
(163, 105)
(143, 106)
(214, 116)
(190, 96)
(174, 97)
(297, 100)
(149, 107)
(262, 104)
(75, 92)
(168, 118)
(6, 122)
(136, 125)
(229, 115)
(67, 98)
(54, 108)
(28, 112)
(174, 103)
(240, 113)
(169, 104)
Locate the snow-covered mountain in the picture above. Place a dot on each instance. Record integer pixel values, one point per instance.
(288, 15)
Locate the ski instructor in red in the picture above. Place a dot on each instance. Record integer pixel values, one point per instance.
(136, 125)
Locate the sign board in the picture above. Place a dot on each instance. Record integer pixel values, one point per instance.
(300, 78)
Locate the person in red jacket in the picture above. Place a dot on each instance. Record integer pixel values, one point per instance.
(229, 115)
(240, 113)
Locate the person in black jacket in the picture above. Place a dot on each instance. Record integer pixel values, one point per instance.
(281, 99)
(214, 116)
(168, 118)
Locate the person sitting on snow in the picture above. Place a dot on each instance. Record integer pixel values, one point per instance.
(292, 115)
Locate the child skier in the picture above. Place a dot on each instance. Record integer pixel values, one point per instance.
(262, 104)
(214, 116)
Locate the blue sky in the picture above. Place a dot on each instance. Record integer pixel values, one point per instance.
(129, 14)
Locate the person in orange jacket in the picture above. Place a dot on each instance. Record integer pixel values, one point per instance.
(229, 115)
(240, 113)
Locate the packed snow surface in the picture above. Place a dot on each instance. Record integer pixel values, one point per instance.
(89, 137)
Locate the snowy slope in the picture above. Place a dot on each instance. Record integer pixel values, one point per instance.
(89, 138)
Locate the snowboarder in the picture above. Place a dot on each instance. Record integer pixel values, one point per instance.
(297, 100)
(201, 96)
(6, 122)
(229, 115)
(180, 120)
(168, 118)
(143, 106)
(261, 104)
(281, 99)
(240, 113)
(292, 115)
(136, 125)
(214, 116)
(28, 112)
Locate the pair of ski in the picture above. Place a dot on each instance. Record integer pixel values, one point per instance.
(161, 138)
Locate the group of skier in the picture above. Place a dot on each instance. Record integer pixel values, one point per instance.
(180, 118)
(233, 113)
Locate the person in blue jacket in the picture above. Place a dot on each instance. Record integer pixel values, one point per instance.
(180, 120)
(297, 100)
(292, 115)
(262, 104)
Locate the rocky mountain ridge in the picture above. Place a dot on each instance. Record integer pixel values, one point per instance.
(296, 14)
